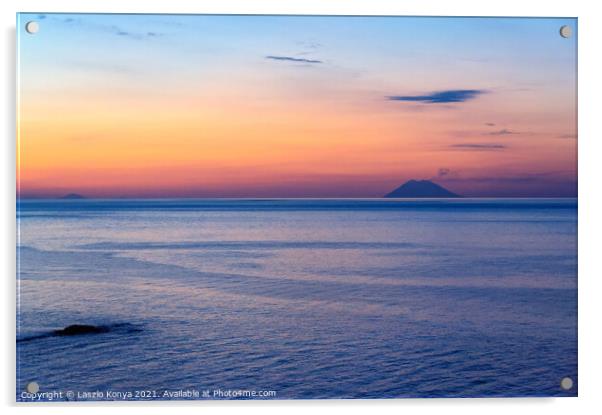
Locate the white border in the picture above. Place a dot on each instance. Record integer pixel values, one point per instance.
(590, 206)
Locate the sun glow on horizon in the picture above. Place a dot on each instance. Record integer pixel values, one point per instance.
(277, 106)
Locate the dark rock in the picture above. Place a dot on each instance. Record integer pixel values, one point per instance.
(76, 329)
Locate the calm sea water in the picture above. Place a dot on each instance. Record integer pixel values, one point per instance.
(307, 298)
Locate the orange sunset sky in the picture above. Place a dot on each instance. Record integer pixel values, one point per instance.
(284, 106)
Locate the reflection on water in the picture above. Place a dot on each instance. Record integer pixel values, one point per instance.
(312, 299)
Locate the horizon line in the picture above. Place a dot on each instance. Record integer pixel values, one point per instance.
(280, 198)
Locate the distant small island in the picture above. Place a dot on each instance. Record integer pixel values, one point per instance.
(72, 196)
(421, 188)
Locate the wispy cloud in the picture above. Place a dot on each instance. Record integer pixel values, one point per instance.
(133, 35)
(490, 124)
(479, 146)
(445, 174)
(551, 176)
(503, 131)
(517, 179)
(443, 171)
(567, 136)
(110, 29)
(441, 97)
(292, 59)
(309, 45)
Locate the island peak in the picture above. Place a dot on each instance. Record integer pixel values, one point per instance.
(421, 189)
(72, 196)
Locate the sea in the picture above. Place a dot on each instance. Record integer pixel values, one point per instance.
(296, 298)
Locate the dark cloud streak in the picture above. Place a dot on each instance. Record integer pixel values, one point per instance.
(292, 59)
(503, 131)
(479, 146)
(440, 97)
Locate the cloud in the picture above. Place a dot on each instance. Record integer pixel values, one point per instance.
(567, 136)
(292, 59)
(517, 179)
(490, 124)
(110, 29)
(552, 176)
(309, 44)
(133, 35)
(440, 97)
(503, 131)
(479, 146)
(443, 171)
(495, 180)
(446, 174)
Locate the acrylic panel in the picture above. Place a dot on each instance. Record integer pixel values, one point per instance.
(295, 207)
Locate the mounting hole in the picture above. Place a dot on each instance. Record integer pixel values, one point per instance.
(566, 383)
(32, 27)
(566, 31)
(32, 387)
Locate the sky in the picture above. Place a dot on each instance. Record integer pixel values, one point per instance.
(294, 106)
